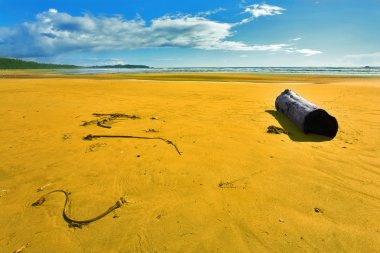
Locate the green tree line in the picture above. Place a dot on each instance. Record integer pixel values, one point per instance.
(7, 63)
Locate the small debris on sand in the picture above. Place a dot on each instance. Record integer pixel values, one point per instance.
(226, 184)
(21, 249)
(4, 192)
(66, 137)
(151, 130)
(43, 187)
(39, 202)
(94, 147)
(276, 130)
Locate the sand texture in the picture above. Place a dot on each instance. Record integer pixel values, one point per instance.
(233, 188)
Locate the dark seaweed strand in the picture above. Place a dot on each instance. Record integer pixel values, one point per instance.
(77, 223)
(90, 137)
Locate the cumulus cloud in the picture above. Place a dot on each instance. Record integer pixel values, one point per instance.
(54, 33)
(259, 10)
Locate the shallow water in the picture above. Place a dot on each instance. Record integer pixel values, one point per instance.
(344, 71)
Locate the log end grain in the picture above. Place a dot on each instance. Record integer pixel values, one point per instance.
(321, 123)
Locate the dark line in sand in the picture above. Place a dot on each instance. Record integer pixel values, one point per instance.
(90, 137)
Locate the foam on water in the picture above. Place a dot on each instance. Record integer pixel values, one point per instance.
(343, 71)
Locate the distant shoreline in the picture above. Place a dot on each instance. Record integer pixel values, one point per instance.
(193, 77)
(15, 64)
(330, 71)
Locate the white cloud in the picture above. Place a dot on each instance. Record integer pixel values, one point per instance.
(56, 33)
(307, 52)
(296, 39)
(212, 12)
(53, 10)
(260, 10)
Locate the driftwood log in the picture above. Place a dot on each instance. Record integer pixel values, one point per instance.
(305, 115)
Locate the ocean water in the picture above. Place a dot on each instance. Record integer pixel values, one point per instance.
(362, 71)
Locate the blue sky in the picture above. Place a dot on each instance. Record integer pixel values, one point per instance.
(171, 33)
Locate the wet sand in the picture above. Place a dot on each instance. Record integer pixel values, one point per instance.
(234, 188)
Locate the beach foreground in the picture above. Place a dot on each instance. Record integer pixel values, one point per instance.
(233, 188)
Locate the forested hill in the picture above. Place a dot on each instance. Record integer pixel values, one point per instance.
(7, 63)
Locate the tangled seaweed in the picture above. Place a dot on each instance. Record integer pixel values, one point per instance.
(106, 118)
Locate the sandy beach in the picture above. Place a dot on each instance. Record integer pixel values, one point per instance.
(233, 187)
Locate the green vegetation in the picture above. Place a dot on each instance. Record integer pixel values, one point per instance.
(7, 63)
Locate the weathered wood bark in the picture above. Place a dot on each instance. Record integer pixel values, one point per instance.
(305, 115)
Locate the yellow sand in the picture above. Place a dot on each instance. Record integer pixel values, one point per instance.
(235, 188)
